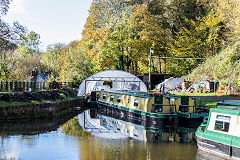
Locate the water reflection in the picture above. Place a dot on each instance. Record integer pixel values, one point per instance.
(111, 128)
(64, 139)
(201, 155)
(98, 148)
(37, 139)
(34, 126)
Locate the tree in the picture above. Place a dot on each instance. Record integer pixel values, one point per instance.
(31, 41)
(229, 12)
(51, 56)
(121, 37)
(9, 38)
(203, 39)
(147, 34)
(4, 6)
(74, 64)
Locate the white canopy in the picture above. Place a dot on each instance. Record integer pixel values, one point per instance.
(170, 84)
(121, 80)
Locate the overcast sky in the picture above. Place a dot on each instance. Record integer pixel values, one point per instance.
(55, 20)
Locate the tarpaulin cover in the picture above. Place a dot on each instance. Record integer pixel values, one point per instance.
(170, 84)
(121, 80)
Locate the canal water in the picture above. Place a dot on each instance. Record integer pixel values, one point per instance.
(103, 138)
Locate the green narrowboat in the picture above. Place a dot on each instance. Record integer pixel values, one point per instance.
(149, 109)
(138, 107)
(189, 114)
(221, 133)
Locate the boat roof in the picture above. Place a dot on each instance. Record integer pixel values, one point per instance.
(142, 94)
(229, 103)
(131, 93)
(226, 110)
(172, 96)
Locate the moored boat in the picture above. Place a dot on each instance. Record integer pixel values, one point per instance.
(139, 107)
(147, 108)
(220, 135)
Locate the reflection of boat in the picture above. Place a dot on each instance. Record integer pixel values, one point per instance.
(149, 109)
(138, 106)
(92, 126)
(220, 135)
(112, 128)
(201, 155)
(143, 133)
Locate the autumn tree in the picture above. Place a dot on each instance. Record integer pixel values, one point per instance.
(74, 64)
(229, 12)
(9, 39)
(50, 58)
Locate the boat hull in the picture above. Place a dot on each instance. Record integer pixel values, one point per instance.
(217, 148)
(191, 120)
(137, 117)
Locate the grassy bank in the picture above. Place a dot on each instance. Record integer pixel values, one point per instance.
(224, 67)
(199, 101)
(193, 94)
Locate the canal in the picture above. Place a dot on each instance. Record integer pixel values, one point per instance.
(103, 138)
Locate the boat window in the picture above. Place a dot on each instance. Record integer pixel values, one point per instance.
(136, 101)
(104, 96)
(119, 99)
(223, 118)
(111, 97)
(221, 126)
(128, 100)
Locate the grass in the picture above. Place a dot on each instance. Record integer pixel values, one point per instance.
(3, 103)
(221, 67)
(206, 102)
(193, 94)
(199, 102)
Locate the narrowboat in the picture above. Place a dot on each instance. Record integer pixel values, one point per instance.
(189, 113)
(141, 108)
(220, 134)
(151, 109)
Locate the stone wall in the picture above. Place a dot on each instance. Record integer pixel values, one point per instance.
(32, 110)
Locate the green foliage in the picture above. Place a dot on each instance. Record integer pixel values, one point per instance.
(62, 96)
(31, 41)
(74, 65)
(21, 63)
(122, 39)
(223, 67)
(50, 57)
(3, 103)
(119, 35)
(72, 128)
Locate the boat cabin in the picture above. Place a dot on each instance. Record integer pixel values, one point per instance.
(135, 100)
(221, 133)
(147, 101)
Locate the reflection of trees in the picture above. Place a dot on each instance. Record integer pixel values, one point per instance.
(28, 140)
(101, 149)
(73, 128)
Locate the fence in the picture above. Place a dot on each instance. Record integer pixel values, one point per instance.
(21, 86)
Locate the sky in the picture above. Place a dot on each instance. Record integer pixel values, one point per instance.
(55, 20)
